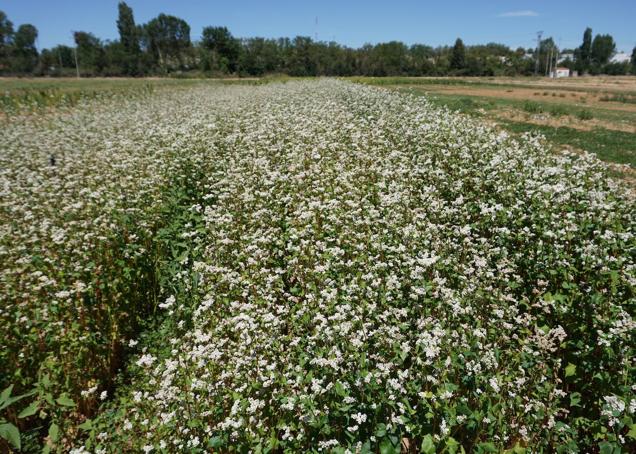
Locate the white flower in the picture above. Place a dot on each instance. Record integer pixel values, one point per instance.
(146, 360)
(168, 303)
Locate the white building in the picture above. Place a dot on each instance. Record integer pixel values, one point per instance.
(565, 56)
(560, 72)
(621, 57)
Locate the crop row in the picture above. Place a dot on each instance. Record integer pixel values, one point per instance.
(373, 273)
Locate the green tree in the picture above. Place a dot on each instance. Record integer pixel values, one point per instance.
(389, 59)
(222, 48)
(129, 39)
(302, 59)
(259, 56)
(634, 60)
(421, 59)
(53, 61)
(90, 53)
(603, 47)
(458, 56)
(167, 39)
(25, 55)
(6, 39)
(586, 47)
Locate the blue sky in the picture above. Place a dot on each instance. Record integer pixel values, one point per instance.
(353, 23)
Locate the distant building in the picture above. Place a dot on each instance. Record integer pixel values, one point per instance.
(565, 56)
(560, 72)
(621, 57)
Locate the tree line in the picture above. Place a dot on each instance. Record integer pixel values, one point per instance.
(163, 46)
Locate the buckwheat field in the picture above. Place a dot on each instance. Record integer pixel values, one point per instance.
(310, 266)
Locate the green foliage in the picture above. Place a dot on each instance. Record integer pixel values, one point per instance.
(558, 110)
(620, 97)
(163, 46)
(532, 107)
(135, 263)
(129, 40)
(11, 434)
(33, 99)
(8, 431)
(25, 55)
(167, 38)
(91, 57)
(611, 146)
(603, 47)
(6, 36)
(584, 52)
(458, 56)
(222, 48)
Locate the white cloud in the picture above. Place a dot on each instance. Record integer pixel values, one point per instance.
(523, 13)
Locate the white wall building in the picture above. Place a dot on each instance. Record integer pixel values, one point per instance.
(560, 72)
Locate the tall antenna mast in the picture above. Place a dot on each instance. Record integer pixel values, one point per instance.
(316, 30)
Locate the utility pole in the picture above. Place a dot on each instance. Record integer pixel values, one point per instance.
(316, 30)
(536, 66)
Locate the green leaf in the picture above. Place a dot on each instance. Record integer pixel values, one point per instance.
(607, 447)
(452, 445)
(632, 431)
(54, 432)
(65, 401)
(570, 370)
(5, 394)
(215, 442)
(487, 447)
(387, 447)
(11, 433)
(30, 410)
(86, 425)
(575, 399)
(518, 449)
(10, 401)
(428, 447)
